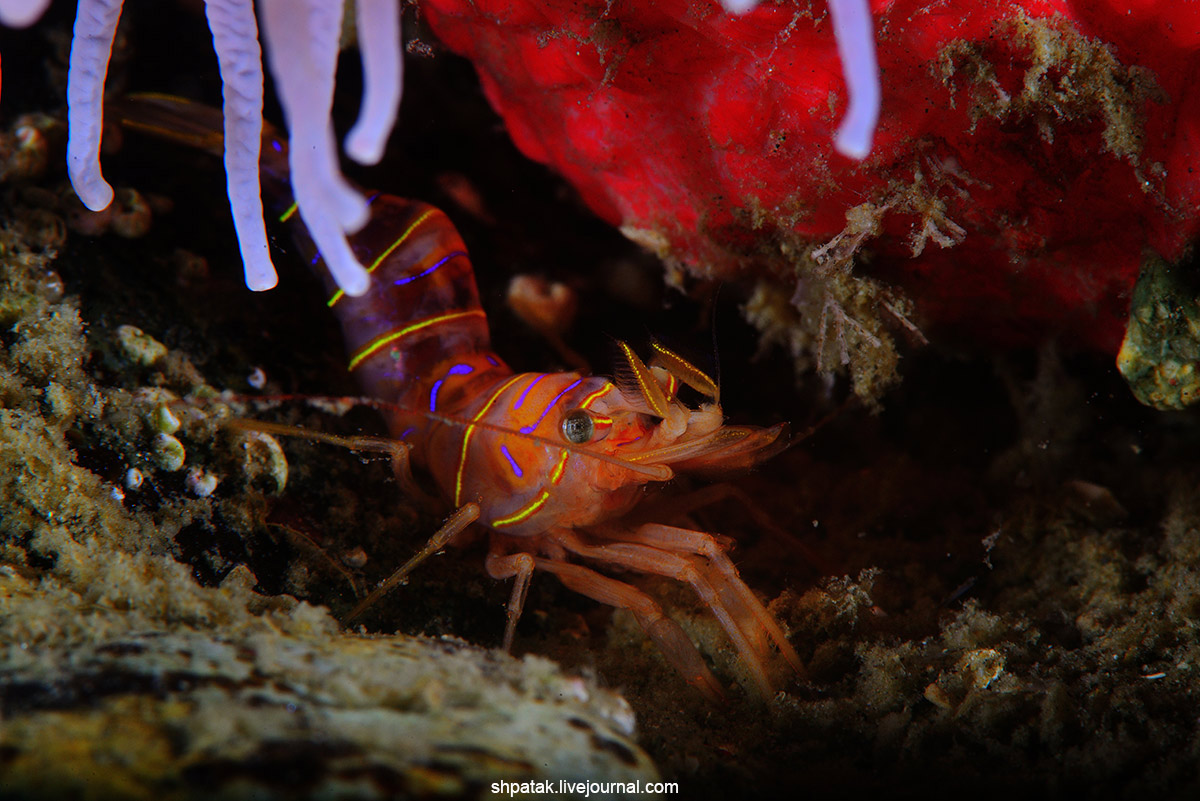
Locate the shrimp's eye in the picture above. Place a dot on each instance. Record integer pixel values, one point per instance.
(577, 427)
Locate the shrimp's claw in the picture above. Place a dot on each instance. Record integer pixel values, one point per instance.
(727, 448)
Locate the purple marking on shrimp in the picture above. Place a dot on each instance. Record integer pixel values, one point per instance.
(529, 429)
(407, 431)
(275, 144)
(433, 393)
(516, 468)
(408, 279)
(521, 399)
(492, 361)
(458, 369)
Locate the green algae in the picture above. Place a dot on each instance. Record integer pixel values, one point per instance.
(1069, 77)
(1161, 349)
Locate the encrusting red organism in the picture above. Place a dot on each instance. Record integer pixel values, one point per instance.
(1027, 153)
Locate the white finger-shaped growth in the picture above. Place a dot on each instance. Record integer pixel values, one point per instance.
(324, 39)
(378, 23)
(21, 13)
(95, 29)
(739, 6)
(856, 48)
(307, 100)
(235, 38)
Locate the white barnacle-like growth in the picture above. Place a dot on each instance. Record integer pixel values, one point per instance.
(302, 39)
(856, 49)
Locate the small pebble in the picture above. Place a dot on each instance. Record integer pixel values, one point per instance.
(132, 216)
(50, 286)
(133, 478)
(265, 457)
(164, 420)
(169, 452)
(200, 483)
(355, 558)
(140, 346)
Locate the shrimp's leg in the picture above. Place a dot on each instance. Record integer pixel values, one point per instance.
(682, 540)
(453, 526)
(402, 469)
(685, 504)
(520, 567)
(728, 607)
(665, 633)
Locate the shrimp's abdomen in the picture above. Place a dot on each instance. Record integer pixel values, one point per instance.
(421, 309)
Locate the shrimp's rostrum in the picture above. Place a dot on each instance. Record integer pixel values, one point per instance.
(551, 461)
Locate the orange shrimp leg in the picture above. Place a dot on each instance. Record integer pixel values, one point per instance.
(402, 470)
(453, 526)
(671, 538)
(723, 597)
(645, 559)
(665, 633)
(712, 494)
(520, 567)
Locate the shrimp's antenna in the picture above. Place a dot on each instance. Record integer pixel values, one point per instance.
(655, 472)
(713, 327)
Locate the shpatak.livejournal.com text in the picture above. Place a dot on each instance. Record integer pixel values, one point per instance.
(583, 789)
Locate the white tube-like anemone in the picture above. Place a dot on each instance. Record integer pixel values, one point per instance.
(739, 6)
(21, 13)
(302, 38)
(302, 41)
(302, 47)
(235, 38)
(91, 46)
(378, 24)
(856, 49)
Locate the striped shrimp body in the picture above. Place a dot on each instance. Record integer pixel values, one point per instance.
(548, 462)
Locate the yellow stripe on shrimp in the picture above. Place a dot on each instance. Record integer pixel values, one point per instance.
(525, 513)
(389, 337)
(466, 442)
(378, 261)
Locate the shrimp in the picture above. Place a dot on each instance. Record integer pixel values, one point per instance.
(548, 463)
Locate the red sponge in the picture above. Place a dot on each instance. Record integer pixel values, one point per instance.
(1028, 151)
